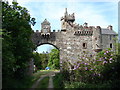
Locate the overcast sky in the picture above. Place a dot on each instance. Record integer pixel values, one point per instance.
(101, 13)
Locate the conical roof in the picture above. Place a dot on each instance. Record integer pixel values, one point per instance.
(45, 22)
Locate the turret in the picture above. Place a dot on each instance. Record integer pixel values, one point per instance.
(67, 20)
(69, 17)
(46, 28)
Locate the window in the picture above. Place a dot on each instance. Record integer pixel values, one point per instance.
(110, 37)
(110, 45)
(95, 38)
(84, 45)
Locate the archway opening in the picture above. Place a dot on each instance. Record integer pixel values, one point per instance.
(46, 57)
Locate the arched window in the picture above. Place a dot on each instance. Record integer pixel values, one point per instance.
(84, 45)
(110, 45)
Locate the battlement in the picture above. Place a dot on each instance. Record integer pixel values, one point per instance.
(68, 17)
(83, 32)
(83, 29)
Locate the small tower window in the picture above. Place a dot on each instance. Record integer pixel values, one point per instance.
(95, 38)
(84, 45)
(110, 45)
(110, 37)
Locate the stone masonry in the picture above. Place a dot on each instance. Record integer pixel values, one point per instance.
(73, 40)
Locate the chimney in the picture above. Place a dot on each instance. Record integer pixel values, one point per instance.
(98, 27)
(85, 24)
(109, 27)
(37, 31)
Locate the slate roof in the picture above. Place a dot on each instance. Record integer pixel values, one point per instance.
(107, 31)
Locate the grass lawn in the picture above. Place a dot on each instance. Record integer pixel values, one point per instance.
(58, 81)
(43, 83)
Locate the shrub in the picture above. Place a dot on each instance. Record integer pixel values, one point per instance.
(96, 70)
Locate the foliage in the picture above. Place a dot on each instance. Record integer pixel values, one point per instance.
(118, 48)
(44, 83)
(17, 44)
(37, 60)
(104, 68)
(88, 85)
(58, 81)
(44, 60)
(40, 60)
(53, 61)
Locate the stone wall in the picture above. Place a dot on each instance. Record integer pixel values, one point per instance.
(107, 40)
(73, 40)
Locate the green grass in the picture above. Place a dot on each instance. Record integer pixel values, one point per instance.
(43, 83)
(39, 73)
(58, 81)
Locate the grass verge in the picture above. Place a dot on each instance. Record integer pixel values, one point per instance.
(58, 81)
(43, 83)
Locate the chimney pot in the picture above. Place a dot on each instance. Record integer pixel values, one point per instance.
(110, 27)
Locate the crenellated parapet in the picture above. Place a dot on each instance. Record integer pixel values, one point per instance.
(67, 21)
(83, 29)
(68, 17)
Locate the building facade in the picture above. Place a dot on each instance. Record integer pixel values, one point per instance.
(74, 40)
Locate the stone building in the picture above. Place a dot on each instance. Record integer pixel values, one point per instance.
(73, 40)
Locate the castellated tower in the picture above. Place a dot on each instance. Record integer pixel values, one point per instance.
(67, 21)
(96, 39)
(45, 28)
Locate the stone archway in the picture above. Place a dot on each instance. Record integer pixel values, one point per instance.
(49, 44)
(49, 54)
(73, 39)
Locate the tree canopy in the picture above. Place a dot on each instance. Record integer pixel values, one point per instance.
(17, 47)
(53, 62)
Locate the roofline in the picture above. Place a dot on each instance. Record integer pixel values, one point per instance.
(109, 34)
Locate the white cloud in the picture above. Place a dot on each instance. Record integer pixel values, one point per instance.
(91, 17)
(92, 14)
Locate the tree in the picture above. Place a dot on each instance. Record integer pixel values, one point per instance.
(44, 60)
(17, 44)
(53, 62)
(40, 60)
(37, 60)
